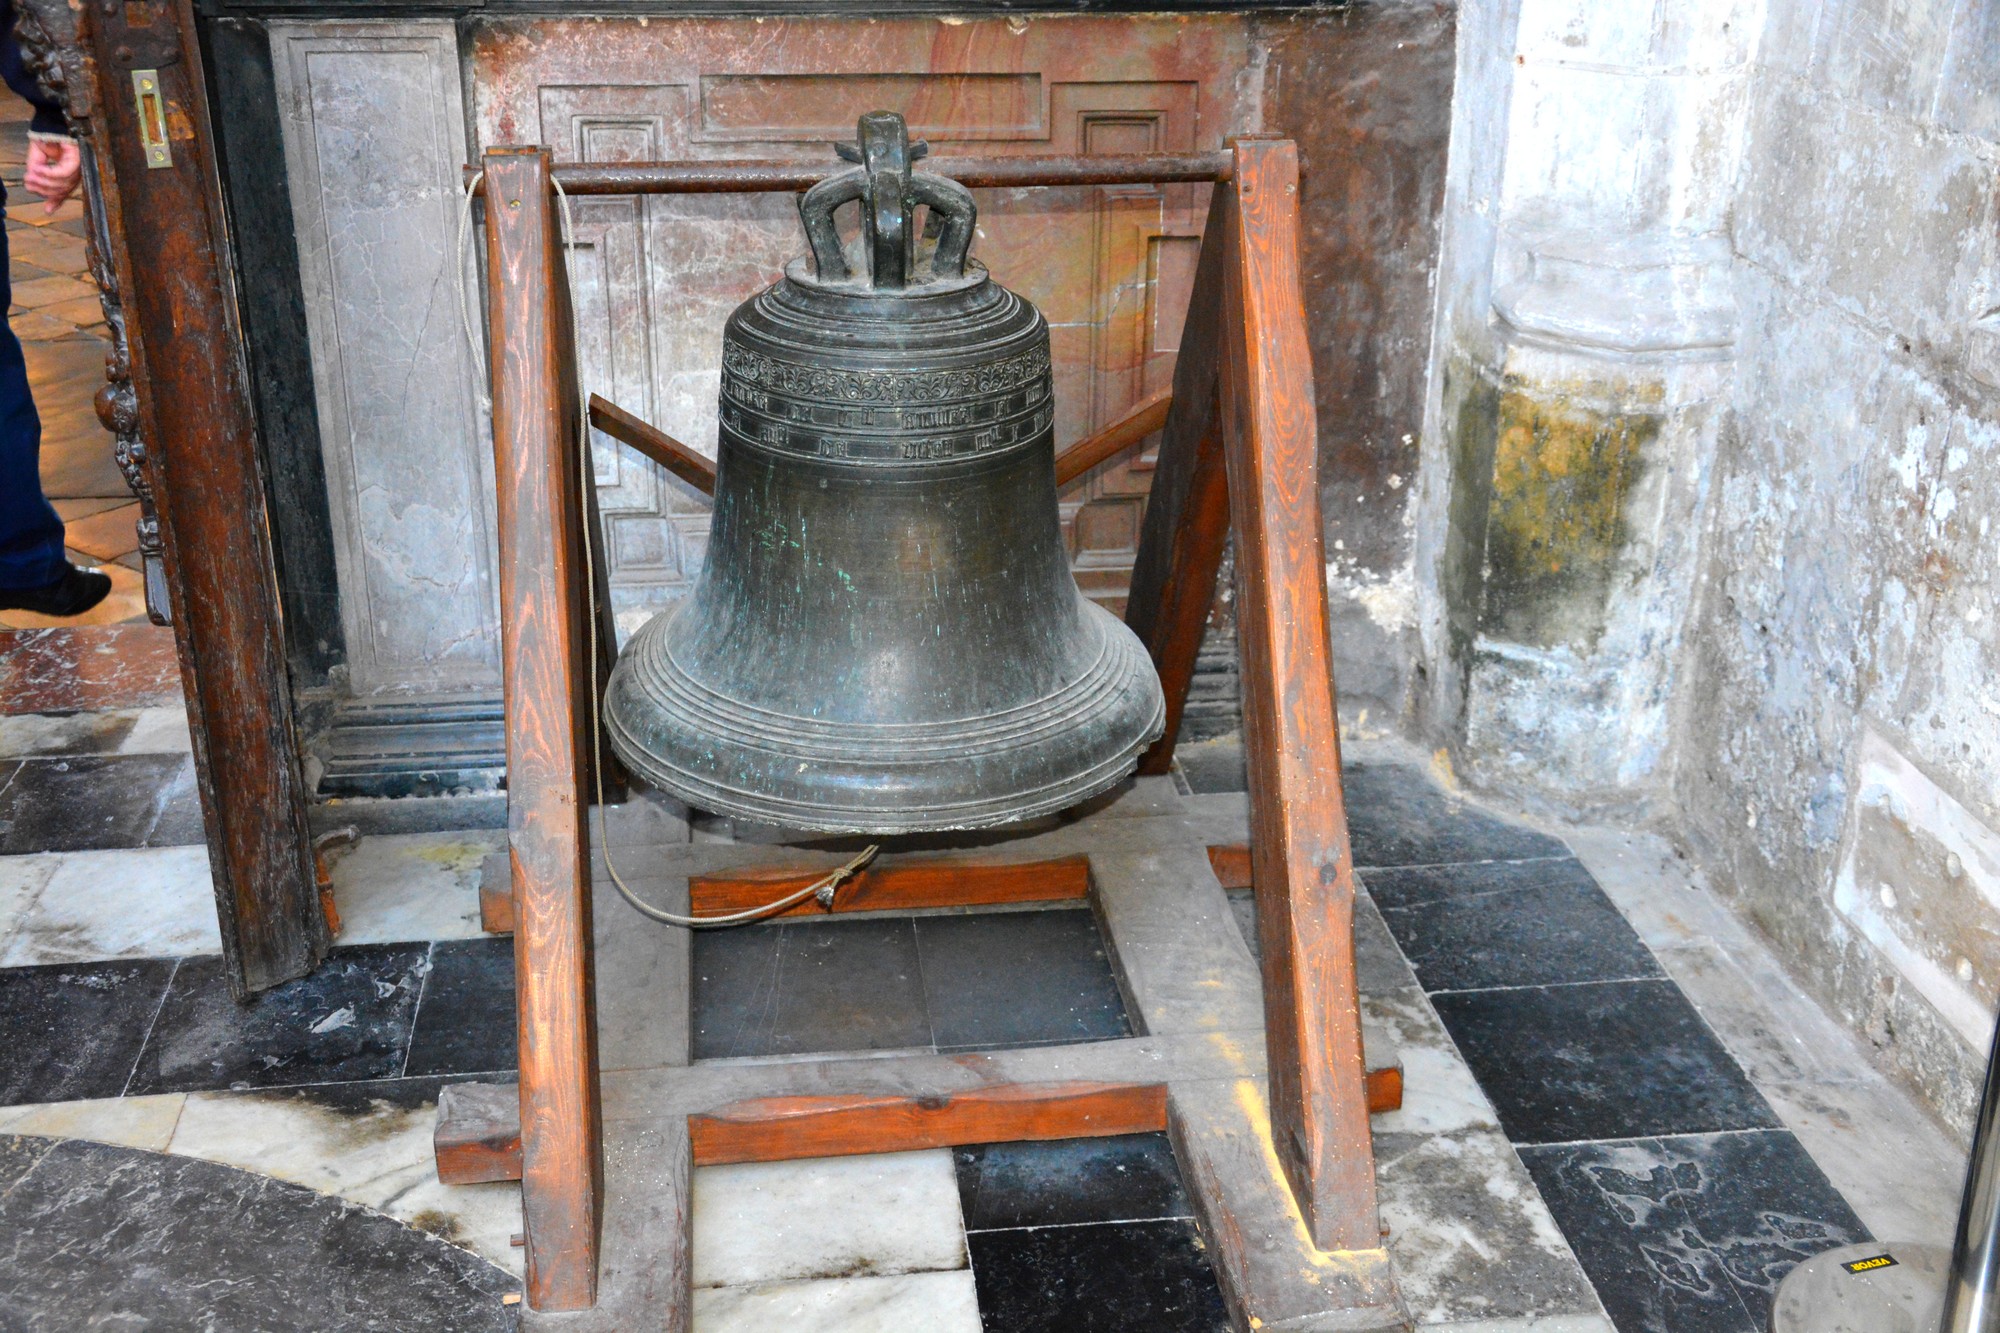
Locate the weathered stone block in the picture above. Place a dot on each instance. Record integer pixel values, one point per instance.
(1921, 881)
(1886, 53)
(1564, 466)
(1968, 99)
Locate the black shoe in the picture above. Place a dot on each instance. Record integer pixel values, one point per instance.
(73, 593)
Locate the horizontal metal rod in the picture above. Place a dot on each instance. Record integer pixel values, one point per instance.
(977, 172)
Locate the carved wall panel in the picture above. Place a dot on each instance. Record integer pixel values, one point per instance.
(654, 279)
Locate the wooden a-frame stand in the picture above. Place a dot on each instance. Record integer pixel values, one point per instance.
(1262, 1083)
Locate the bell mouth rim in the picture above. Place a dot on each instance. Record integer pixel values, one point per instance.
(1011, 727)
(906, 803)
(987, 812)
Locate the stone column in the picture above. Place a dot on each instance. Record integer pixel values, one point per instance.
(1581, 364)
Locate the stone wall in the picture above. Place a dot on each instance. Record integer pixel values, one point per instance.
(1367, 95)
(1839, 739)
(1709, 464)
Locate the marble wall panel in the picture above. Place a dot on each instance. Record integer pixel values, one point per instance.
(655, 278)
(373, 123)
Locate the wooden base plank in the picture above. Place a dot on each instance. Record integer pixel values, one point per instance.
(1385, 1089)
(479, 1125)
(496, 894)
(777, 1129)
(478, 1136)
(1156, 863)
(898, 886)
(1274, 1278)
(1231, 863)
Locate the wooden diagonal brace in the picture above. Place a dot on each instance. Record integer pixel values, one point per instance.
(691, 467)
(1114, 439)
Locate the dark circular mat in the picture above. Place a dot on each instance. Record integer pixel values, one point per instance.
(97, 1237)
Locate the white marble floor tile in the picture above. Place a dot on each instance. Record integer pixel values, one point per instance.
(1439, 1091)
(22, 879)
(1469, 1233)
(1768, 1024)
(159, 731)
(412, 886)
(1892, 1163)
(1655, 889)
(1566, 1323)
(933, 1302)
(874, 1215)
(131, 1122)
(142, 902)
(24, 734)
(377, 1155)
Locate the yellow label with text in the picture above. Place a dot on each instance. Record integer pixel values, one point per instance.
(1870, 1264)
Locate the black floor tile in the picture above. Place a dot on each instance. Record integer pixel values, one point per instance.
(1397, 816)
(1396, 887)
(104, 1237)
(1126, 1178)
(179, 824)
(1112, 1278)
(349, 1020)
(1615, 1060)
(808, 986)
(1617, 1203)
(1691, 1234)
(465, 1018)
(1018, 979)
(1764, 1205)
(1535, 923)
(74, 1030)
(85, 802)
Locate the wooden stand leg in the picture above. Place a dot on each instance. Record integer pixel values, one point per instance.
(1240, 453)
(1187, 511)
(1303, 871)
(546, 673)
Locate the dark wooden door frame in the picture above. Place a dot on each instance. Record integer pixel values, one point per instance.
(178, 400)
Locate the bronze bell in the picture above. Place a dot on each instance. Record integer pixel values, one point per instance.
(885, 636)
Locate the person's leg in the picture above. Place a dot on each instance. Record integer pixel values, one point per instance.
(31, 534)
(35, 574)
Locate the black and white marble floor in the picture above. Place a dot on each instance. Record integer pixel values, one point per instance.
(1619, 1114)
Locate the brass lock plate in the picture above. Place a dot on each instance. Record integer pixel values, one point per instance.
(152, 109)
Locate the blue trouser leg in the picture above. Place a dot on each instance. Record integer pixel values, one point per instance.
(31, 533)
